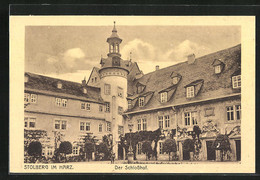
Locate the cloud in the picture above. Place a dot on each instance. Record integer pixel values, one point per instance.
(185, 48)
(69, 61)
(77, 76)
(148, 56)
(140, 50)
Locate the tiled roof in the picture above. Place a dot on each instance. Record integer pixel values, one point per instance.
(48, 85)
(202, 70)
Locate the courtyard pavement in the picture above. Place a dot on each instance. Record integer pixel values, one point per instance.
(157, 162)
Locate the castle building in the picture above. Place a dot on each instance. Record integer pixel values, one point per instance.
(203, 91)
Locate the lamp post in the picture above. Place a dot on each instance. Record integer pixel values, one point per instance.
(130, 154)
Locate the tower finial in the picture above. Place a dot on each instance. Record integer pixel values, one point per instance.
(114, 29)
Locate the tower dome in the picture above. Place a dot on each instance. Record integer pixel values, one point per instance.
(114, 41)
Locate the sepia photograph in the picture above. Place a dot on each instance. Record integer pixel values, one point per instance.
(129, 95)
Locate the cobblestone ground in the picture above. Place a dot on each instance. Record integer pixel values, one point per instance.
(158, 162)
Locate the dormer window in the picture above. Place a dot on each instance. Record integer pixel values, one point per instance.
(190, 92)
(115, 61)
(85, 90)
(217, 69)
(59, 85)
(236, 81)
(129, 104)
(26, 78)
(141, 101)
(163, 97)
(175, 78)
(218, 66)
(140, 87)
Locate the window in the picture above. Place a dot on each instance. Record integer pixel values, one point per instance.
(59, 85)
(160, 120)
(167, 121)
(164, 121)
(190, 118)
(85, 106)
(236, 81)
(163, 97)
(49, 151)
(120, 110)
(26, 97)
(60, 124)
(120, 130)
(175, 80)
(84, 90)
(75, 150)
(160, 148)
(100, 108)
(30, 98)
(120, 92)
(88, 106)
(230, 113)
(190, 91)
(64, 102)
(107, 89)
(107, 107)
(84, 126)
(233, 113)
(139, 148)
(144, 124)
(217, 69)
(100, 127)
(95, 79)
(238, 112)
(139, 126)
(129, 104)
(33, 98)
(109, 126)
(29, 122)
(141, 101)
(61, 102)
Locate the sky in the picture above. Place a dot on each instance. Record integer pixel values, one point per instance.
(70, 52)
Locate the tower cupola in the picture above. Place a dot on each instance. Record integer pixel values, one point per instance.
(114, 41)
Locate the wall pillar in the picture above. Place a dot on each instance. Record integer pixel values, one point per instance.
(233, 150)
(218, 155)
(204, 150)
(180, 151)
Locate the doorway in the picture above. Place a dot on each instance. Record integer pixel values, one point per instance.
(120, 152)
(238, 149)
(186, 155)
(211, 153)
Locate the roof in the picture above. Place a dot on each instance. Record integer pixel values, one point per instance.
(48, 85)
(124, 64)
(202, 70)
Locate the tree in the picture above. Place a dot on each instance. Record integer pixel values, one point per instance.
(35, 149)
(222, 143)
(65, 148)
(102, 148)
(89, 148)
(188, 145)
(169, 145)
(147, 148)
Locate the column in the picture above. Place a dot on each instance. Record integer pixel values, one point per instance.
(180, 151)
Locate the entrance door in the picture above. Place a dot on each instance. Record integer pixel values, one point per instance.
(211, 153)
(186, 155)
(238, 149)
(120, 152)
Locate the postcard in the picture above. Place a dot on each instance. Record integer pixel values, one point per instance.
(132, 94)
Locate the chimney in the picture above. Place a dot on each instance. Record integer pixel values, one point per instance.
(191, 58)
(157, 67)
(84, 81)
